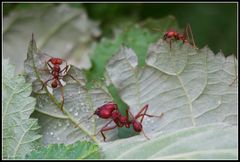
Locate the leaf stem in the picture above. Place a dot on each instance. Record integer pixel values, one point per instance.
(53, 98)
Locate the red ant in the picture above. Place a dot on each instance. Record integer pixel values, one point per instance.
(54, 68)
(56, 73)
(173, 35)
(110, 110)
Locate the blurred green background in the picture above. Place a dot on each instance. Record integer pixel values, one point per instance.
(213, 24)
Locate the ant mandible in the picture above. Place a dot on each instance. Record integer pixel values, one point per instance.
(110, 111)
(171, 35)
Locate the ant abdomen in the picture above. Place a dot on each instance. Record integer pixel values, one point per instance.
(137, 126)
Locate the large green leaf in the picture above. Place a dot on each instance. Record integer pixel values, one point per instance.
(190, 86)
(70, 124)
(62, 31)
(19, 131)
(78, 150)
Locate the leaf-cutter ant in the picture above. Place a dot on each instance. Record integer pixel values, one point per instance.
(171, 35)
(57, 73)
(110, 111)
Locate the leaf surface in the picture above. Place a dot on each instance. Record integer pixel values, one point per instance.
(78, 150)
(20, 132)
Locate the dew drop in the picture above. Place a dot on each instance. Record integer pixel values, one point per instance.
(71, 109)
(148, 119)
(59, 124)
(82, 104)
(152, 121)
(79, 92)
(76, 114)
(219, 102)
(58, 138)
(51, 133)
(55, 127)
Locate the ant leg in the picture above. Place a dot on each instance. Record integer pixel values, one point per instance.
(62, 94)
(139, 114)
(144, 110)
(64, 69)
(170, 42)
(71, 77)
(104, 127)
(233, 81)
(145, 135)
(49, 65)
(107, 129)
(128, 110)
(127, 113)
(44, 84)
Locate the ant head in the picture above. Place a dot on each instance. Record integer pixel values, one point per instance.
(137, 126)
(165, 36)
(54, 84)
(56, 61)
(103, 113)
(110, 106)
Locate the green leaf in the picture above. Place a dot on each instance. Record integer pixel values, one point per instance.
(70, 124)
(78, 150)
(61, 30)
(190, 86)
(19, 131)
(204, 142)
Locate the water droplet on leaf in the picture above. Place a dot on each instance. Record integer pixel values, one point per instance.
(76, 114)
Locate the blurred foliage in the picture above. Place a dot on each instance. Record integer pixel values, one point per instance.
(208, 21)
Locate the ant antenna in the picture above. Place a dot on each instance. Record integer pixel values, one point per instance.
(155, 29)
(188, 27)
(91, 116)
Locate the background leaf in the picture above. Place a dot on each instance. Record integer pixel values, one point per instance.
(78, 150)
(62, 31)
(20, 133)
